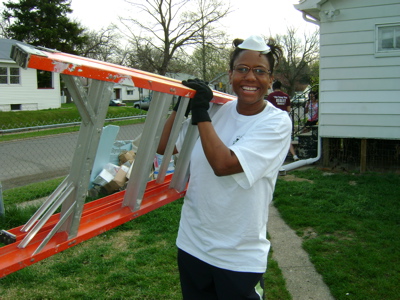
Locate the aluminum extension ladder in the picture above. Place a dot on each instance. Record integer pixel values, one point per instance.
(47, 233)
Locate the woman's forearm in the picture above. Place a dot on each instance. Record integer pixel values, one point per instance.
(221, 159)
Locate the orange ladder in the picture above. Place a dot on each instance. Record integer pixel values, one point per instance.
(47, 233)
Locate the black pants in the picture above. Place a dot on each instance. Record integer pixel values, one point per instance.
(201, 281)
(311, 123)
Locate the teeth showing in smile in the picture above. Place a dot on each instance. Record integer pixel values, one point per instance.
(248, 88)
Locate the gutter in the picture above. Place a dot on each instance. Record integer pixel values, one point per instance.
(307, 19)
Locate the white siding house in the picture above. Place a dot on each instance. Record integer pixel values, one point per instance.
(126, 92)
(20, 88)
(359, 67)
(129, 93)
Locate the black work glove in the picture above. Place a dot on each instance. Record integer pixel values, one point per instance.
(177, 106)
(201, 101)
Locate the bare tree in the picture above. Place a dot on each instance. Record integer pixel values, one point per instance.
(171, 26)
(299, 56)
(104, 45)
(4, 24)
(212, 41)
(209, 62)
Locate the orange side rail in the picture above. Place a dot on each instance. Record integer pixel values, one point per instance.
(98, 216)
(69, 64)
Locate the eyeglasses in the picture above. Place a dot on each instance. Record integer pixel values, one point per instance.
(256, 71)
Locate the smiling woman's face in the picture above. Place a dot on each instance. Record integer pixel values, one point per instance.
(250, 87)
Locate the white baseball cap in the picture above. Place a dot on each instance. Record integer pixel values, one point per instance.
(255, 43)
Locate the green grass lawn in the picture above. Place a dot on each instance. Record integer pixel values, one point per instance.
(68, 113)
(136, 260)
(350, 224)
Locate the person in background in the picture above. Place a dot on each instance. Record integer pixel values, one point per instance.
(278, 98)
(222, 242)
(311, 109)
(281, 100)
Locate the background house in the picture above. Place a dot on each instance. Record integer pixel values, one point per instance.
(22, 89)
(129, 93)
(359, 115)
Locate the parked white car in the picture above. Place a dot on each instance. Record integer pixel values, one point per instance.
(116, 102)
(298, 100)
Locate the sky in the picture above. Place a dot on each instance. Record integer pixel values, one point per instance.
(263, 17)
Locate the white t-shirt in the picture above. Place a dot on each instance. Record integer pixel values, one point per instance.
(224, 219)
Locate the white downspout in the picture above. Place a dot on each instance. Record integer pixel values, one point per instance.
(302, 162)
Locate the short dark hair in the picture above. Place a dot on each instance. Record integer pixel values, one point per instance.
(273, 56)
(277, 85)
(315, 93)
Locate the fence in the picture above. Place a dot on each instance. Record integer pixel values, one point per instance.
(43, 125)
(353, 155)
(39, 159)
(31, 160)
(298, 117)
(26, 161)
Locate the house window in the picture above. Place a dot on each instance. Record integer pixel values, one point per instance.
(388, 38)
(14, 76)
(3, 75)
(9, 75)
(44, 79)
(15, 107)
(129, 92)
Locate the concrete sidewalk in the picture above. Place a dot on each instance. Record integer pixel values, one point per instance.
(302, 280)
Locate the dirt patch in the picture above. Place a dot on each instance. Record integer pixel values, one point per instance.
(294, 178)
(36, 202)
(343, 235)
(309, 233)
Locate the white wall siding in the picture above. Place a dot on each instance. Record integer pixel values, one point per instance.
(27, 94)
(358, 119)
(359, 92)
(360, 85)
(363, 132)
(359, 61)
(368, 72)
(360, 97)
(363, 108)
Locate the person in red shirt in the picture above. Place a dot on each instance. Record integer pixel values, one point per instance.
(278, 98)
(281, 100)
